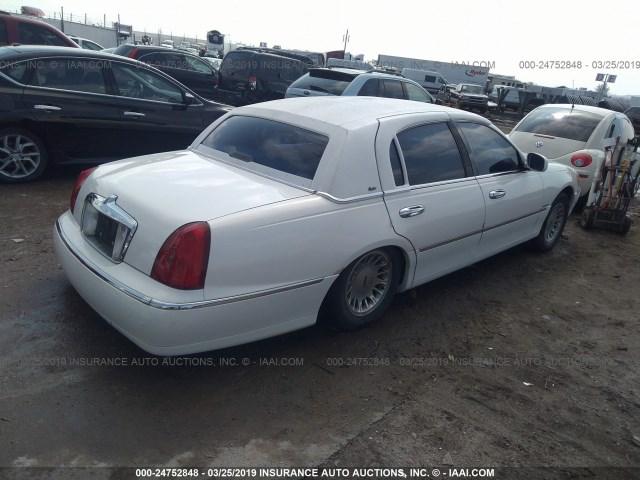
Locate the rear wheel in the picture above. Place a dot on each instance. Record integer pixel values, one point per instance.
(364, 290)
(23, 156)
(553, 225)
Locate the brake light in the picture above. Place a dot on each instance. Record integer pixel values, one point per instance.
(253, 82)
(76, 188)
(581, 160)
(182, 261)
(132, 53)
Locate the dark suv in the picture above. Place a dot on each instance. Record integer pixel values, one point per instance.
(188, 69)
(17, 29)
(249, 76)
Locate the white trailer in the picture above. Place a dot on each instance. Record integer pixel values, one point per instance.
(475, 72)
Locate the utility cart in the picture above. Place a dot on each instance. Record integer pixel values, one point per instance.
(616, 183)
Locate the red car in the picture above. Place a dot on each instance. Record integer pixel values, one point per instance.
(26, 31)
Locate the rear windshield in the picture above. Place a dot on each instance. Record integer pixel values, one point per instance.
(279, 146)
(561, 122)
(326, 81)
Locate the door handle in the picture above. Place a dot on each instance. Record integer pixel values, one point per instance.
(133, 114)
(412, 211)
(497, 194)
(47, 108)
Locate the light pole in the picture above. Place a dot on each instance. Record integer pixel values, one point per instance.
(345, 38)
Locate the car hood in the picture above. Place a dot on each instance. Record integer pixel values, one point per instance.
(550, 147)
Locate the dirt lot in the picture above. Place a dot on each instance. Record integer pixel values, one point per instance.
(522, 360)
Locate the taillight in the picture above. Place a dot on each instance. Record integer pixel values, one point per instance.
(581, 160)
(76, 188)
(253, 82)
(132, 53)
(182, 260)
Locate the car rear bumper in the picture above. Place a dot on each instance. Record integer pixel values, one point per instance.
(173, 328)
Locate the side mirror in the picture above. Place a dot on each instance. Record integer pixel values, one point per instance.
(439, 102)
(537, 162)
(187, 98)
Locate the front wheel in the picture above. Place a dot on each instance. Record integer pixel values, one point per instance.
(553, 224)
(364, 290)
(23, 156)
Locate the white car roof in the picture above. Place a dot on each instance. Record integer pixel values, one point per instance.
(353, 110)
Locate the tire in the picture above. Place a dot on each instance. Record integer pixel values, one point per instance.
(625, 226)
(23, 156)
(553, 225)
(354, 300)
(586, 219)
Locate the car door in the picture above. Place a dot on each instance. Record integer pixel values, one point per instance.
(512, 194)
(202, 76)
(431, 194)
(156, 113)
(69, 98)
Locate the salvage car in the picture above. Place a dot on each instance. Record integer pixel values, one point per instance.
(76, 106)
(283, 211)
(574, 135)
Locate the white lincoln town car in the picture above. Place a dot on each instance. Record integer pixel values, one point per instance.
(285, 211)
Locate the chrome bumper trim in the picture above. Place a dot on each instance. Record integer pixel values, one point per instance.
(172, 305)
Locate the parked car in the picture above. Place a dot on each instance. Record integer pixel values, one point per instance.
(27, 31)
(249, 76)
(190, 70)
(87, 44)
(78, 106)
(350, 82)
(468, 96)
(287, 210)
(573, 135)
(633, 113)
(168, 44)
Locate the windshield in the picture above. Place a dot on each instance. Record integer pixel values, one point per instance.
(471, 89)
(563, 122)
(277, 146)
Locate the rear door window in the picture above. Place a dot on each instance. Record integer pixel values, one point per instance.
(275, 145)
(75, 74)
(197, 65)
(371, 88)
(561, 122)
(393, 89)
(430, 154)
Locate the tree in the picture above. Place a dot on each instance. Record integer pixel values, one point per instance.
(603, 89)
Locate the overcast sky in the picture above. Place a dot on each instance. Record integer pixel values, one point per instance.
(551, 36)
